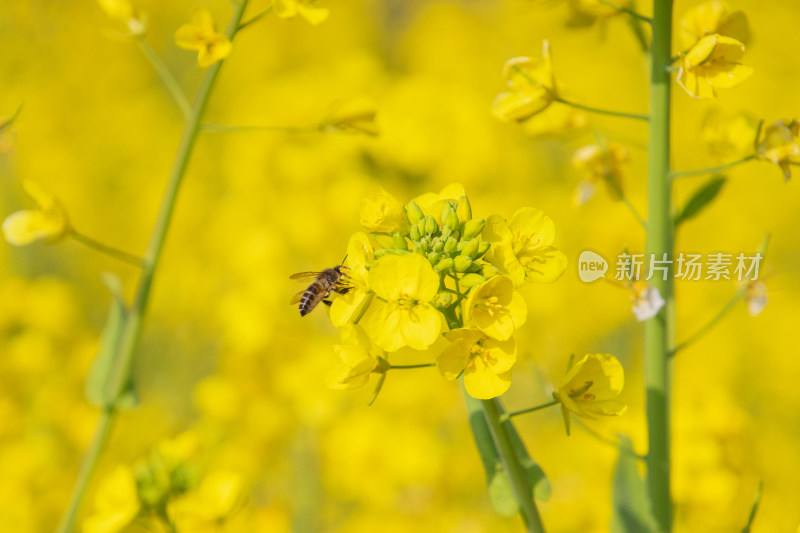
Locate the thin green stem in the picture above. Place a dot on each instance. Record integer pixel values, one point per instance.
(528, 410)
(408, 367)
(121, 366)
(631, 12)
(253, 19)
(166, 76)
(223, 128)
(523, 492)
(8, 122)
(108, 250)
(620, 114)
(711, 170)
(88, 466)
(659, 330)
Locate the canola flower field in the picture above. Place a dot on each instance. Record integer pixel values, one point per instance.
(565, 233)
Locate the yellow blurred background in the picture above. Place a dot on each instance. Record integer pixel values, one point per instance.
(225, 357)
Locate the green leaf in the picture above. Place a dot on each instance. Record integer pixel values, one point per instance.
(498, 485)
(99, 374)
(631, 509)
(701, 198)
(754, 508)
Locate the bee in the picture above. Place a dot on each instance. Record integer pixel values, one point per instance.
(325, 283)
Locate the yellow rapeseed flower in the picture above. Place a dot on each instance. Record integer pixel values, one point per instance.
(201, 35)
(382, 212)
(532, 87)
(729, 136)
(522, 247)
(594, 9)
(48, 222)
(495, 308)
(124, 12)
(714, 62)
(431, 203)
(359, 255)
(116, 503)
(358, 359)
(207, 507)
(590, 388)
(709, 18)
(401, 313)
(485, 362)
(779, 144)
(286, 9)
(604, 163)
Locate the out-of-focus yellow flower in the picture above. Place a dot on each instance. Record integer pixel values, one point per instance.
(46, 223)
(755, 297)
(401, 314)
(728, 136)
(495, 308)
(359, 255)
(556, 119)
(206, 508)
(590, 388)
(124, 12)
(116, 503)
(382, 212)
(604, 163)
(710, 18)
(351, 116)
(431, 203)
(286, 9)
(779, 143)
(201, 35)
(594, 9)
(485, 362)
(714, 62)
(522, 247)
(646, 300)
(532, 87)
(358, 359)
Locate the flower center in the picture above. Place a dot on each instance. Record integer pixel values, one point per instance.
(582, 392)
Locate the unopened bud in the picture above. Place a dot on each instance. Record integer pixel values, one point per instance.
(438, 245)
(450, 246)
(444, 265)
(489, 271)
(431, 227)
(464, 211)
(470, 248)
(473, 228)
(413, 212)
(475, 267)
(434, 257)
(399, 242)
(483, 247)
(449, 217)
(468, 281)
(444, 300)
(462, 263)
(413, 233)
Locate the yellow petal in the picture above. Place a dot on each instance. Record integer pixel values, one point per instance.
(543, 266)
(519, 105)
(382, 212)
(420, 326)
(484, 384)
(408, 276)
(189, 37)
(314, 15)
(215, 50)
(532, 228)
(116, 503)
(500, 355)
(382, 324)
(496, 230)
(453, 360)
(702, 51)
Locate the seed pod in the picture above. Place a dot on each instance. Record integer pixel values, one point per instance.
(473, 228)
(413, 212)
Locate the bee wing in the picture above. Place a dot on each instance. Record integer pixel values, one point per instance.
(300, 276)
(297, 297)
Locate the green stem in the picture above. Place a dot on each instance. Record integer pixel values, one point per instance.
(166, 76)
(631, 12)
(529, 410)
(108, 250)
(88, 466)
(407, 367)
(6, 123)
(121, 366)
(523, 492)
(223, 128)
(659, 331)
(599, 111)
(711, 170)
(253, 19)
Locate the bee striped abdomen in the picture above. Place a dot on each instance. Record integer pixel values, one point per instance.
(310, 298)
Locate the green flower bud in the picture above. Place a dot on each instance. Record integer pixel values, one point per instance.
(413, 233)
(489, 271)
(385, 241)
(475, 267)
(421, 227)
(470, 248)
(473, 228)
(464, 211)
(444, 265)
(431, 227)
(434, 258)
(468, 281)
(399, 242)
(413, 212)
(462, 263)
(450, 246)
(483, 247)
(446, 233)
(449, 217)
(444, 300)
(438, 245)
(425, 245)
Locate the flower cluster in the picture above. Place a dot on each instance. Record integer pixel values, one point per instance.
(429, 266)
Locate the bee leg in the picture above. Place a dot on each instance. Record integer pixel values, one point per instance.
(343, 290)
(327, 302)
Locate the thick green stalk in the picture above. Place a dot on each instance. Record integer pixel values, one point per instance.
(121, 366)
(523, 492)
(659, 331)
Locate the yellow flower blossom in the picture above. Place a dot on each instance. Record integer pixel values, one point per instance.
(755, 297)
(709, 18)
(495, 308)
(46, 223)
(116, 503)
(401, 313)
(714, 62)
(358, 359)
(779, 144)
(604, 163)
(201, 35)
(522, 247)
(359, 255)
(556, 119)
(204, 509)
(728, 136)
(532, 87)
(485, 362)
(124, 12)
(431, 203)
(382, 212)
(590, 388)
(286, 9)
(592, 10)
(351, 116)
